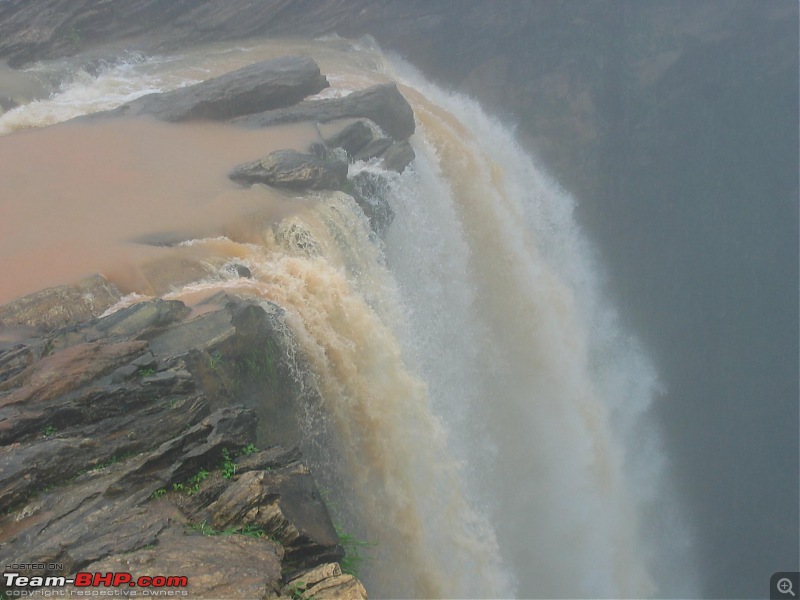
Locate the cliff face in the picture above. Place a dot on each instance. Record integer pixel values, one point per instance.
(163, 437)
(131, 443)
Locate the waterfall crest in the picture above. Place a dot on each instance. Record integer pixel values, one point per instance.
(485, 417)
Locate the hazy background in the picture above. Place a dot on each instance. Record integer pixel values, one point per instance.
(675, 124)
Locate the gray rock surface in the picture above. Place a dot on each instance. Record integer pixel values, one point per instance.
(398, 156)
(62, 305)
(373, 149)
(294, 170)
(383, 104)
(266, 85)
(125, 439)
(370, 191)
(352, 138)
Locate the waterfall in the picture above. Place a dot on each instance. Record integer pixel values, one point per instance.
(490, 415)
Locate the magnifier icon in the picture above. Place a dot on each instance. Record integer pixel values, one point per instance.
(784, 586)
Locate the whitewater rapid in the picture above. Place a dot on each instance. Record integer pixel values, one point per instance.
(483, 420)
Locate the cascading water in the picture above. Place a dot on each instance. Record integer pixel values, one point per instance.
(489, 416)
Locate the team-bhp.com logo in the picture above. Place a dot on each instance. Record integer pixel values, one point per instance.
(17, 584)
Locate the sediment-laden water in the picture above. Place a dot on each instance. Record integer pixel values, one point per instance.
(485, 419)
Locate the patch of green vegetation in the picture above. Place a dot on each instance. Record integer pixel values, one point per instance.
(193, 485)
(107, 463)
(353, 557)
(49, 430)
(146, 372)
(48, 347)
(214, 359)
(74, 35)
(297, 591)
(249, 449)
(228, 467)
(348, 188)
(203, 528)
(261, 364)
(190, 487)
(111, 461)
(249, 530)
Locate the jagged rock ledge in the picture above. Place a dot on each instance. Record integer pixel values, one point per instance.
(131, 443)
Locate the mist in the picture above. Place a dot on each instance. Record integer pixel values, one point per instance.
(670, 132)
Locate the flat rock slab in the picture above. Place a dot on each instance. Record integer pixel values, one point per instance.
(325, 582)
(62, 305)
(266, 85)
(373, 149)
(223, 566)
(383, 104)
(294, 170)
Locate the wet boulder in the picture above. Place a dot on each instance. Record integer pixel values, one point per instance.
(352, 138)
(62, 305)
(295, 170)
(382, 104)
(398, 156)
(374, 149)
(370, 191)
(266, 85)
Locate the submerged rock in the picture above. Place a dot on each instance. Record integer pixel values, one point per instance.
(267, 85)
(352, 138)
(370, 192)
(398, 156)
(294, 170)
(383, 104)
(242, 271)
(373, 149)
(62, 305)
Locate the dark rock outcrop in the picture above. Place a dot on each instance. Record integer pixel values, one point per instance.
(373, 149)
(352, 138)
(382, 104)
(267, 85)
(370, 192)
(125, 439)
(284, 501)
(294, 170)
